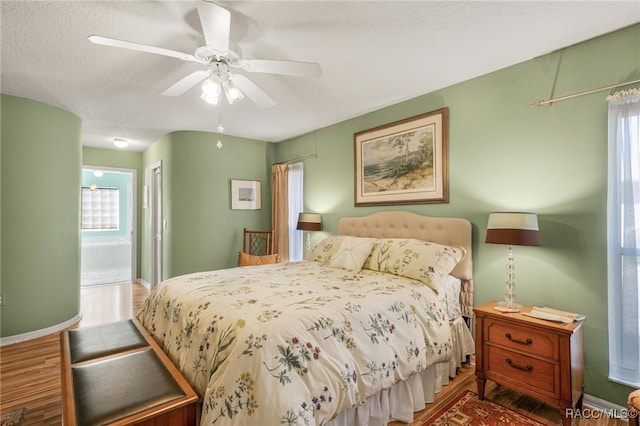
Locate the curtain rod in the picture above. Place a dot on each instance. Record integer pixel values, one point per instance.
(314, 155)
(297, 159)
(586, 92)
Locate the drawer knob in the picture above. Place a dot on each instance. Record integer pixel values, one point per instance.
(522, 342)
(526, 368)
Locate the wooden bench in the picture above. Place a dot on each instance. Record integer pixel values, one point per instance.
(116, 374)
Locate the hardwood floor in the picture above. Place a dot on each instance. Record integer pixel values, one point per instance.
(30, 371)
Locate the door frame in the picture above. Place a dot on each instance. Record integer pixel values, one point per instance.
(156, 234)
(134, 212)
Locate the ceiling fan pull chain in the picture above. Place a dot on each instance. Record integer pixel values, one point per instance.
(220, 128)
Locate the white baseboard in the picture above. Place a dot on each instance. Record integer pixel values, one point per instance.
(9, 340)
(600, 404)
(144, 283)
(593, 403)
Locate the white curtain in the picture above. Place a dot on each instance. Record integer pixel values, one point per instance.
(296, 180)
(623, 218)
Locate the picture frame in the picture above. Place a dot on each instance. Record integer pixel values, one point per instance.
(246, 195)
(404, 162)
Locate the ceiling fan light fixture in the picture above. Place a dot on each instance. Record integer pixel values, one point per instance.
(121, 143)
(232, 93)
(211, 86)
(210, 99)
(219, 55)
(211, 90)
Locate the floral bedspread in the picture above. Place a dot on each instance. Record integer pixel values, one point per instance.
(294, 343)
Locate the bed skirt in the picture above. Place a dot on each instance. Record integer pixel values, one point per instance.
(405, 398)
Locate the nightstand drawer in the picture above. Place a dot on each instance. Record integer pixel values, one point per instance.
(527, 339)
(541, 358)
(538, 375)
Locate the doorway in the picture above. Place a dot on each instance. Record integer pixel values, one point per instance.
(108, 223)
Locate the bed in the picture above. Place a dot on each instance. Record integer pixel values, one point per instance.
(364, 331)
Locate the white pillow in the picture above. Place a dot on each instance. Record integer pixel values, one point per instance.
(352, 253)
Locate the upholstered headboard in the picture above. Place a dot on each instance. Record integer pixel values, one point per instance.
(442, 230)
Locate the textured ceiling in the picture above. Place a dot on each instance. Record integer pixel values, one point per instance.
(372, 54)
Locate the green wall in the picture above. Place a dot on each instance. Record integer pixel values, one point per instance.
(118, 159)
(41, 152)
(202, 232)
(503, 155)
(506, 156)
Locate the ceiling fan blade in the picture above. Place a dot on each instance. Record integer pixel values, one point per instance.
(216, 25)
(298, 69)
(253, 92)
(181, 86)
(106, 41)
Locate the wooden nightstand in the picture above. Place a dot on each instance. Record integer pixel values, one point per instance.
(540, 358)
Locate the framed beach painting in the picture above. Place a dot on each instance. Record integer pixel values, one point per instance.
(405, 162)
(245, 195)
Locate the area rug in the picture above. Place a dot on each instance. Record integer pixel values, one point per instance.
(467, 409)
(13, 418)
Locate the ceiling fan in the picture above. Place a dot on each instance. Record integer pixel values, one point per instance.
(220, 60)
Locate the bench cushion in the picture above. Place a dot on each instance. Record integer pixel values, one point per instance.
(105, 339)
(114, 388)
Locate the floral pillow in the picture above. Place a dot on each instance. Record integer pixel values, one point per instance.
(425, 261)
(352, 253)
(324, 251)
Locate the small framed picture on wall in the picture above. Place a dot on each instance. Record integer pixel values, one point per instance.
(246, 195)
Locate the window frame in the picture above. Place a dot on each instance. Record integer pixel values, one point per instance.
(623, 310)
(112, 211)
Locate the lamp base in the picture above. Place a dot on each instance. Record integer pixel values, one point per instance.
(508, 307)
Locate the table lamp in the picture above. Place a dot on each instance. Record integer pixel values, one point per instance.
(512, 228)
(309, 222)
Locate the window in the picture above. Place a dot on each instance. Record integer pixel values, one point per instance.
(295, 207)
(100, 208)
(623, 237)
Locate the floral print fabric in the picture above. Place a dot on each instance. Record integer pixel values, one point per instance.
(421, 260)
(294, 343)
(326, 249)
